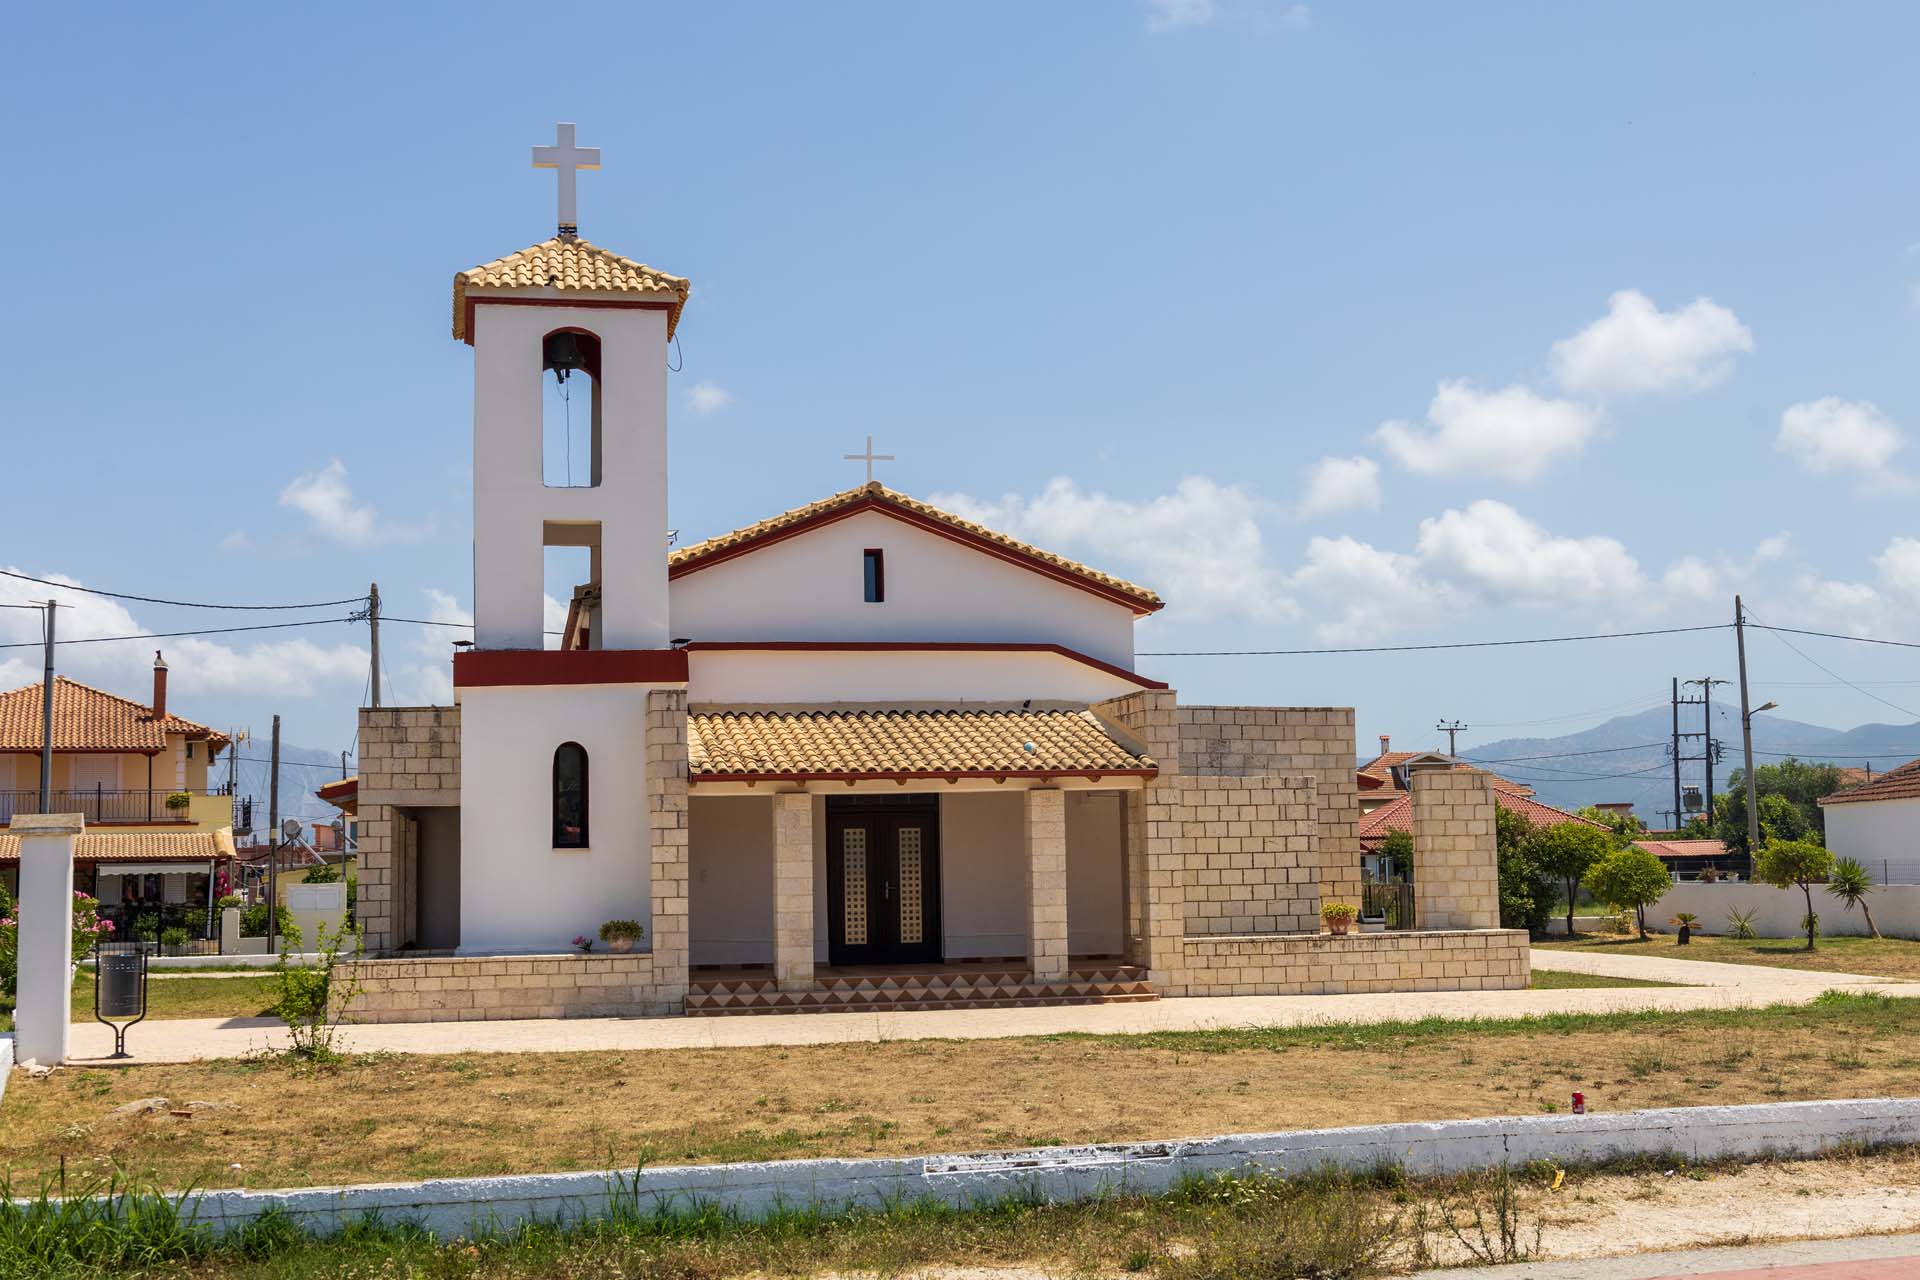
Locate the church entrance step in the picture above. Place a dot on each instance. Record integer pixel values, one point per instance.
(848, 990)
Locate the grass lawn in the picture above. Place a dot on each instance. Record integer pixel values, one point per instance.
(403, 1116)
(1554, 980)
(1897, 958)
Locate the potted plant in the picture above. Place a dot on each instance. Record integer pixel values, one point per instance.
(1339, 917)
(178, 801)
(1688, 922)
(620, 935)
(173, 939)
(583, 944)
(1709, 874)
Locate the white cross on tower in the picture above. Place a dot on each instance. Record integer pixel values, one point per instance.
(567, 158)
(869, 457)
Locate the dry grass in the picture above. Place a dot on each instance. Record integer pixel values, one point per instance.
(1559, 980)
(1897, 958)
(400, 1117)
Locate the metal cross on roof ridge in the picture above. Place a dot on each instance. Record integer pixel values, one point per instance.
(869, 457)
(567, 158)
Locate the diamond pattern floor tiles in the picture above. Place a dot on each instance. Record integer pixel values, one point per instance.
(845, 991)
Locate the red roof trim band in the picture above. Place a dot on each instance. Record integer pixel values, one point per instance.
(961, 536)
(480, 668)
(921, 646)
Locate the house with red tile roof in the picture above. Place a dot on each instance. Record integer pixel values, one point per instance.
(1397, 814)
(1875, 821)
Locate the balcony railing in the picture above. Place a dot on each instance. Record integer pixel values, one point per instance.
(99, 805)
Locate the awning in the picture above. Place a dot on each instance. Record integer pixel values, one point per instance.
(138, 846)
(903, 743)
(182, 868)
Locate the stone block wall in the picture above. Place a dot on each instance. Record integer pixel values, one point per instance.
(1150, 717)
(1046, 863)
(409, 756)
(1250, 854)
(464, 988)
(1456, 866)
(1265, 741)
(1476, 960)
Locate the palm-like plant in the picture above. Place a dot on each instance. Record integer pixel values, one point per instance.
(1852, 883)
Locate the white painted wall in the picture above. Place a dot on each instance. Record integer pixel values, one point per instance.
(731, 866)
(733, 677)
(811, 587)
(983, 875)
(1777, 912)
(1095, 906)
(511, 504)
(517, 892)
(1875, 830)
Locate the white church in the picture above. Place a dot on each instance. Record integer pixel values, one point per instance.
(864, 753)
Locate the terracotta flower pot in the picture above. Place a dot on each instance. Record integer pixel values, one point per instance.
(620, 946)
(1339, 926)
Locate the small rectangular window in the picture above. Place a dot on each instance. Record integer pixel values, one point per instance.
(189, 750)
(876, 570)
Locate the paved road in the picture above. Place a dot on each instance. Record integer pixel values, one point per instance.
(1864, 1258)
(1715, 986)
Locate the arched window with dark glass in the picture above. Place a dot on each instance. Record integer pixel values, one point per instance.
(570, 796)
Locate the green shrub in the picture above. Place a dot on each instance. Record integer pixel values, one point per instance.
(621, 929)
(173, 936)
(179, 801)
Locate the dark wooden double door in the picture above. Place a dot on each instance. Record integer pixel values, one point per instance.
(883, 880)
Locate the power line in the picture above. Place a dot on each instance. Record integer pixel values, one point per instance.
(1832, 635)
(1563, 755)
(1419, 648)
(168, 635)
(179, 604)
(1865, 693)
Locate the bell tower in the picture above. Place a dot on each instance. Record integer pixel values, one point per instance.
(569, 319)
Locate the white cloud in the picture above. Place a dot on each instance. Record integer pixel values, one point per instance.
(1512, 434)
(1637, 349)
(292, 666)
(1201, 544)
(236, 541)
(1506, 558)
(429, 679)
(553, 620)
(326, 499)
(706, 397)
(1169, 15)
(1340, 484)
(1364, 592)
(1295, 17)
(1689, 580)
(1831, 435)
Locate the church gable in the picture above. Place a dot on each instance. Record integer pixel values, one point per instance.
(876, 498)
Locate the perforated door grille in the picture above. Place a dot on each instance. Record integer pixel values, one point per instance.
(911, 913)
(853, 851)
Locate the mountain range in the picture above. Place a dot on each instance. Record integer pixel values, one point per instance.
(1626, 758)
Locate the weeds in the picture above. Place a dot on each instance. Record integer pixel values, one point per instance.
(1487, 1222)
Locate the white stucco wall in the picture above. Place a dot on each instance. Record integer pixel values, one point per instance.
(730, 898)
(810, 587)
(1095, 910)
(813, 676)
(517, 892)
(983, 875)
(511, 503)
(1875, 831)
(1777, 912)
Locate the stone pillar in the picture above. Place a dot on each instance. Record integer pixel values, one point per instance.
(1155, 898)
(230, 931)
(1047, 884)
(793, 890)
(1456, 861)
(45, 986)
(667, 836)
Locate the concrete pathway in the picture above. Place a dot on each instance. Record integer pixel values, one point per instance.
(1862, 1258)
(1717, 986)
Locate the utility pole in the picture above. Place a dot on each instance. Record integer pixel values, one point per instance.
(1452, 730)
(1675, 751)
(373, 623)
(273, 842)
(46, 716)
(1746, 730)
(343, 765)
(1709, 748)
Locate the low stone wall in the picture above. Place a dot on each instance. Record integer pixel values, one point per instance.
(1320, 964)
(470, 988)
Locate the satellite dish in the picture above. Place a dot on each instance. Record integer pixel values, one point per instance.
(290, 829)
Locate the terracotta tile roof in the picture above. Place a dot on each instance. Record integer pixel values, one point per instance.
(567, 266)
(89, 719)
(886, 742)
(1399, 813)
(1895, 784)
(876, 496)
(1683, 848)
(137, 846)
(1378, 772)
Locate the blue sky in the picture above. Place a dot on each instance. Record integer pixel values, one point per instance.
(1336, 324)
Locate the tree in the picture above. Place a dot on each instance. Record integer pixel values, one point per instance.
(1526, 890)
(1567, 851)
(1630, 878)
(1398, 845)
(1851, 883)
(1785, 863)
(1799, 782)
(1621, 824)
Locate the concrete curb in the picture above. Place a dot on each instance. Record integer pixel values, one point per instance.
(468, 1206)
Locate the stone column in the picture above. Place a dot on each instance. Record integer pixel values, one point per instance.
(1456, 861)
(667, 835)
(45, 978)
(1047, 884)
(793, 890)
(1155, 898)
